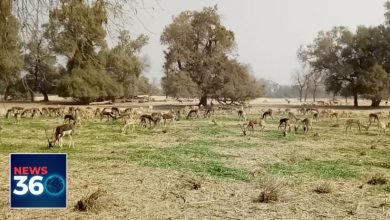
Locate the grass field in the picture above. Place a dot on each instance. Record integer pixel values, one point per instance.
(195, 169)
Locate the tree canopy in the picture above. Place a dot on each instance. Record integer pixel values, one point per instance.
(11, 59)
(199, 48)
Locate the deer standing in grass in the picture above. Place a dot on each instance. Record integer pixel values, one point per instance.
(373, 117)
(351, 122)
(251, 125)
(267, 113)
(60, 132)
(168, 117)
(241, 115)
(382, 127)
(307, 125)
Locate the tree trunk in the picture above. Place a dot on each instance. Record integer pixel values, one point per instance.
(6, 92)
(203, 101)
(300, 94)
(314, 93)
(355, 99)
(305, 95)
(31, 95)
(375, 102)
(45, 96)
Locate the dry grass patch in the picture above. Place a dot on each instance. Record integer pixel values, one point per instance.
(271, 190)
(91, 202)
(323, 188)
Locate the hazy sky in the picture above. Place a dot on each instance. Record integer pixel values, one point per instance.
(268, 32)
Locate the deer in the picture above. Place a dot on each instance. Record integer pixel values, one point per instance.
(251, 125)
(148, 119)
(382, 127)
(73, 117)
(315, 116)
(292, 117)
(69, 117)
(60, 132)
(267, 113)
(334, 115)
(307, 125)
(168, 117)
(35, 112)
(208, 112)
(193, 112)
(108, 114)
(241, 115)
(374, 117)
(351, 122)
(286, 123)
(26, 112)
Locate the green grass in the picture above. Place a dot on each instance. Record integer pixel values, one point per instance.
(195, 156)
(386, 188)
(199, 146)
(321, 169)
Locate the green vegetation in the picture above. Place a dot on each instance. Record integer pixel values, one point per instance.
(195, 156)
(321, 169)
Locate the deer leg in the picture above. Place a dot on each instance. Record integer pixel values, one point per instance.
(60, 142)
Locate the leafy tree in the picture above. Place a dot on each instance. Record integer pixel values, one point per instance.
(238, 85)
(76, 31)
(197, 45)
(179, 85)
(376, 84)
(357, 63)
(11, 60)
(39, 62)
(123, 61)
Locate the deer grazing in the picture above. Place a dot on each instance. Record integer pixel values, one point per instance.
(60, 132)
(372, 117)
(193, 113)
(292, 117)
(267, 113)
(148, 119)
(307, 125)
(351, 122)
(251, 125)
(284, 122)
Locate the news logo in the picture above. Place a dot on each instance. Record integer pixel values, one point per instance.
(38, 180)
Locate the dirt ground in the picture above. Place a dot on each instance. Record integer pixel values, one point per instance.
(194, 169)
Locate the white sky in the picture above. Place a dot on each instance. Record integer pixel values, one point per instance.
(268, 32)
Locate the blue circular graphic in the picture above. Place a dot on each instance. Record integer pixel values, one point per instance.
(55, 185)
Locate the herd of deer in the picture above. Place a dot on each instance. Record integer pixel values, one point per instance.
(131, 116)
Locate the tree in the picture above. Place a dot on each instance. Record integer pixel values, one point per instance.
(376, 84)
(11, 60)
(76, 32)
(39, 62)
(300, 80)
(238, 85)
(197, 45)
(123, 61)
(179, 85)
(316, 79)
